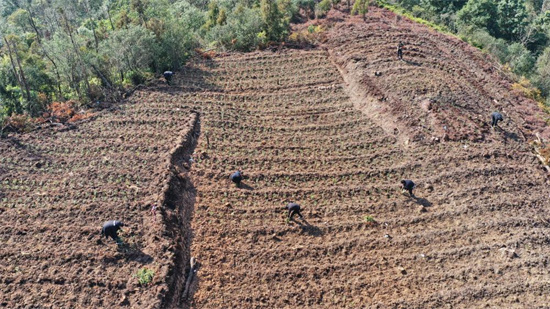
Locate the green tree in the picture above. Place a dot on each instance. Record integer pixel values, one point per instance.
(512, 18)
(308, 6)
(480, 14)
(542, 79)
(520, 59)
(272, 20)
(322, 8)
(240, 32)
(213, 12)
(443, 6)
(361, 7)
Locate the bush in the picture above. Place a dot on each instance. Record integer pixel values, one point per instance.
(145, 276)
(520, 59)
(137, 77)
(310, 36)
(542, 77)
(525, 87)
(322, 8)
(243, 30)
(19, 123)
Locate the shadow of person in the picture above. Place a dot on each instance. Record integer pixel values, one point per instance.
(132, 252)
(422, 201)
(244, 186)
(311, 230)
(412, 62)
(511, 135)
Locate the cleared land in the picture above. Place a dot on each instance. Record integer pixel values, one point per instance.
(57, 187)
(316, 127)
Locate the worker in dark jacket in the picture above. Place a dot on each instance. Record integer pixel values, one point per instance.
(237, 177)
(400, 51)
(408, 185)
(168, 76)
(495, 118)
(293, 209)
(110, 229)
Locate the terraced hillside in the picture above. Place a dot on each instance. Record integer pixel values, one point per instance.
(58, 186)
(476, 235)
(317, 127)
(442, 88)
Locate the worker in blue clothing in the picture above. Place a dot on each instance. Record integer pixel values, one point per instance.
(237, 177)
(293, 209)
(495, 118)
(409, 186)
(110, 229)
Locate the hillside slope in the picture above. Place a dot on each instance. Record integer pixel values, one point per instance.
(316, 127)
(58, 186)
(443, 88)
(476, 235)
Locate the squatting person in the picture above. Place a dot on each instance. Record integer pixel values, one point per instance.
(237, 177)
(168, 76)
(495, 118)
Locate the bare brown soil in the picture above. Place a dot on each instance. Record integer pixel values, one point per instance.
(58, 186)
(475, 236)
(443, 88)
(316, 127)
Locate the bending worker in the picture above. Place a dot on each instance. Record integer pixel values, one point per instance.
(237, 177)
(168, 76)
(293, 209)
(409, 186)
(110, 229)
(495, 118)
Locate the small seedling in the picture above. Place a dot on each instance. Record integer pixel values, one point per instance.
(145, 276)
(369, 219)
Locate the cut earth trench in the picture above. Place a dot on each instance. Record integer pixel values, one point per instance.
(178, 203)
(180, 193)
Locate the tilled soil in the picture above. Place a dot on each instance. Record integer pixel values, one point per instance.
(58, 186)
(315, 127)
(475, 236)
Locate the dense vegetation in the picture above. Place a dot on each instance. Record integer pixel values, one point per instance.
(516, 32)
(90, 50)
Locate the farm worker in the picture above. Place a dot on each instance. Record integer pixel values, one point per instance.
(154, 212)
(293, 208)
(400, 51)
(237, 177)
(408, 185)
(168, 76)
(496, 117)
(110, 229)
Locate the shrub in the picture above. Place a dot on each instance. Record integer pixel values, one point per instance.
(62, 111)
(521, 60)
(19, 123)
(312, 35)
(525, 87)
